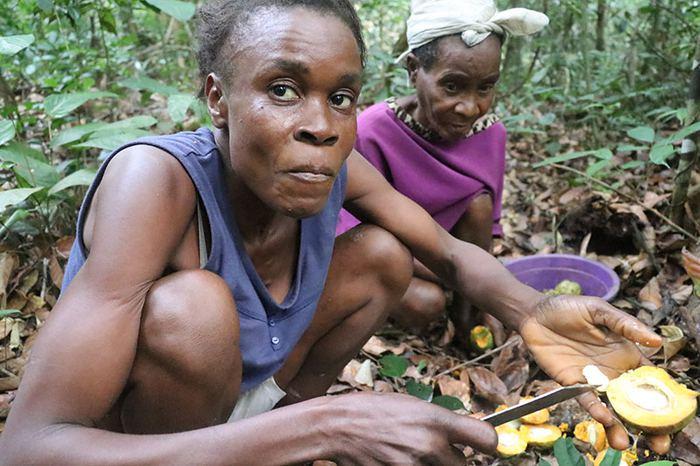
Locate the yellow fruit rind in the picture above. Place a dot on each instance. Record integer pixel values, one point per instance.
(511, 441)
(625, 395)
(481, 338)
(540, 436)
(591, 432)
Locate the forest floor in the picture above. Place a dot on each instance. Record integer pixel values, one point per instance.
(546, 210)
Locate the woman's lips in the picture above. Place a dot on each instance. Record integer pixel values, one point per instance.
(310, 177)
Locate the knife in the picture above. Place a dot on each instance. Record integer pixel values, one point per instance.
(540, 402)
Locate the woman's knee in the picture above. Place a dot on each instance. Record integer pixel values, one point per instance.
(423, 303)
(190, 323)
(384, 255)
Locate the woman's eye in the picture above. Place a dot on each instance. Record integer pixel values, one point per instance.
(284, 92)
(342, 101)
(486, 89)
(450, 87)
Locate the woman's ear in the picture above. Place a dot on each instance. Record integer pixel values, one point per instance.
(412, 66)
(216, 103)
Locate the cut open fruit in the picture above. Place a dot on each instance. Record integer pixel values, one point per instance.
(511, 441)
(648, 399)
(541, 436)
(538, 417)
(592, 432)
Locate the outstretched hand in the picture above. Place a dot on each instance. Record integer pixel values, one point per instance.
(567, 333)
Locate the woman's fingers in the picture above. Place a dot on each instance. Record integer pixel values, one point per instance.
(660, 444)
(616, 433)
(623, 324)
(465, 430)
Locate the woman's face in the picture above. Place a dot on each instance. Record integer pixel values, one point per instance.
(459, 87)
(289, 106)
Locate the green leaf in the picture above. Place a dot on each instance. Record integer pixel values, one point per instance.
(79, 178)
(178, 105)
(10, 45)
(45, 5)
(109, 140)
(77, 133)
(178, 10)
(9, 312)
(449, 402)
(604, 154)
(611, 458)
(682, 133)
(392, 365)
(29, 165)
(145, 83)
(660, 463)
(424, 392)
(632, 164)
(596, 167)
(642, 133)
(60, 105)
(107, 20)
(17, 215)
(660, 153)
(629, 148)
(12, 197)
(564, 158)
(7, 131)
(567, 454)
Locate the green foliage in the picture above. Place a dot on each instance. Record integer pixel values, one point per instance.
(611, 458)
(419, 390)
(392, 366)
(567, 454)
(449, 402)
(10, 45)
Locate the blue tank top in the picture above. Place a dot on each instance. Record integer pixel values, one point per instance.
(269, 331)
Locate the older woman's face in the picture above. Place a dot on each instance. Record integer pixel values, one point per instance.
(459, 87)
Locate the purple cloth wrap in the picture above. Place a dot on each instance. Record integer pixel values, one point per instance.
(441, 177)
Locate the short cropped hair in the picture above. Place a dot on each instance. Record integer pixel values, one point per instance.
(219, 20)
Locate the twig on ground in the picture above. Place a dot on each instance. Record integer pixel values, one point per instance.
(478, 358)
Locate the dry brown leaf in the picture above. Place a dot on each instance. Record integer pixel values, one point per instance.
(349, 372)
(682, 294)
(363, 376)
(488, 386)
(375, 346)
(8, 262)
(456, 388)
(55, 271)
(679, 364)
(28, 281)
(651, 199)
(515, 375)
(673, 340)
(650, 296)
(64, 245)
(383, 387)
(686, 444)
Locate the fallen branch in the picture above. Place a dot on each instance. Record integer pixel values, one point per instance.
(478, 358)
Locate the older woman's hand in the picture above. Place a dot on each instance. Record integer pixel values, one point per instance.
(567, 333)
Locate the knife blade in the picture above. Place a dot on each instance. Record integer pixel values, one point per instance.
(539, 402)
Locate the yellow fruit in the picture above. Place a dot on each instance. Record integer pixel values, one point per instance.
(591, 432)
(538, 417)
(648, 399)
(481, 338)
(628, 458)
(541, 436)
(510, 441)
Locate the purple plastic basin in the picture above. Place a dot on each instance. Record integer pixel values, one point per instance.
(545, 271)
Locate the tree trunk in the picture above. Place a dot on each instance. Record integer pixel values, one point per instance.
(600, 26)
(689, 149)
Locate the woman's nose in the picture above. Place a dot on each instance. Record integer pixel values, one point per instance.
(467, 107)
(317, 126)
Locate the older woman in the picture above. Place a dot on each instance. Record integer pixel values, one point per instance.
(440, 146)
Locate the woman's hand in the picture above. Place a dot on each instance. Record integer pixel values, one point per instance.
(567, 333)
(374, 429)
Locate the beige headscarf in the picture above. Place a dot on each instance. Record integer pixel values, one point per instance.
(475, 20)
